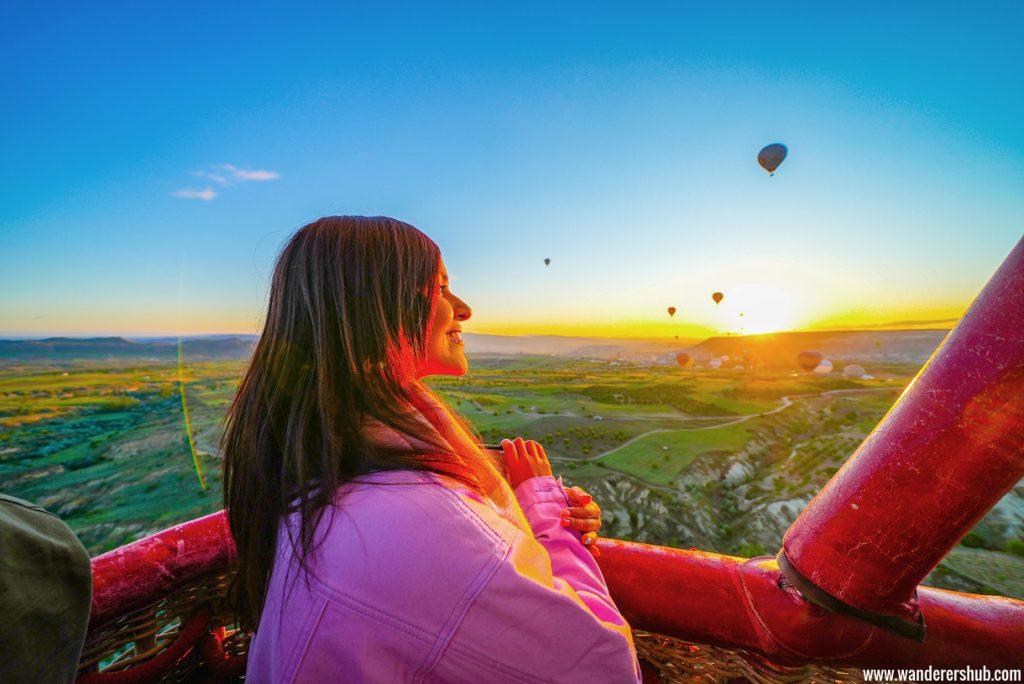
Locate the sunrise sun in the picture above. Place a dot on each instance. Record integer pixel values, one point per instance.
(754, 308)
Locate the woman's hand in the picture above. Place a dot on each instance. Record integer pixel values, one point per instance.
(523, 460)
(584, 515)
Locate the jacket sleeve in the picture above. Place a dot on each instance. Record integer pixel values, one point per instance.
(542, 500)
(544, 614)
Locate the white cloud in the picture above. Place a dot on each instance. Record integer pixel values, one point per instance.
(246, 175)
(234, 174)
(206, 194)
(224, 175)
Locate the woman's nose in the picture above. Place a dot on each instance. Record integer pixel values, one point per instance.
(462, 310)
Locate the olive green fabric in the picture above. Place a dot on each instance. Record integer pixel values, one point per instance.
(45, 593)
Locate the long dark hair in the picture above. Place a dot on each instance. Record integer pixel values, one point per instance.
(350, 301)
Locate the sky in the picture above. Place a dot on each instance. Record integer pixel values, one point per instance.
(156, 156)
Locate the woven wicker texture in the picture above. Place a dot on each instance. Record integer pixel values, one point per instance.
(134, 639)
(143, 634)
(680, 661)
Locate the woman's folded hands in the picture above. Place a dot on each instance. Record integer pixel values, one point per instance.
(525, 459)
(584, 515)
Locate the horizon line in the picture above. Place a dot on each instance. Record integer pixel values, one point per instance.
(20, 337)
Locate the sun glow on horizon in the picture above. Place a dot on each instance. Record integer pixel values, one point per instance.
(755, 308)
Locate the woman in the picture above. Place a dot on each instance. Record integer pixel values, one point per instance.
(377, 541)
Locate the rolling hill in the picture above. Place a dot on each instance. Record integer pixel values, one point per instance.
(779, 349)
(775, 350)
(116, 348)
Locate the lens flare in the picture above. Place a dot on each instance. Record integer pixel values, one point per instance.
(188, 423)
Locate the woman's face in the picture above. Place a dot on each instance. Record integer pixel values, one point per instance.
(444, 349)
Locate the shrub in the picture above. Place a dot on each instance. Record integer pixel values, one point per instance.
(117, 404)
(973, 540)
(751, 550)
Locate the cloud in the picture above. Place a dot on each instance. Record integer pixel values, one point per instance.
(206, 194)
(227, 175)
(224, 175)
(243, 174)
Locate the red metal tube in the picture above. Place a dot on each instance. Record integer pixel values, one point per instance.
(141, 572)
(731, 602)
(701, 597)
(949, 449)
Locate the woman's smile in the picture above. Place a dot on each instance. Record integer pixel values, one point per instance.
(444, 354)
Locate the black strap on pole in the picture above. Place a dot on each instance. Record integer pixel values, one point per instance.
(820, 597)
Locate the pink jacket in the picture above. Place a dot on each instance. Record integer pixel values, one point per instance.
(418, 579)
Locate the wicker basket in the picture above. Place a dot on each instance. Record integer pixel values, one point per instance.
(188, 636)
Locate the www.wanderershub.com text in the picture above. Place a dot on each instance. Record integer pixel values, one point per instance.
(940, 674)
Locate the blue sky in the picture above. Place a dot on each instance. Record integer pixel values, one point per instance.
(618, 142)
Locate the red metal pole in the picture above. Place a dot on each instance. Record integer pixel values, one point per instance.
(142, 572)
(707, 598)
(704, 598)
(949, 449)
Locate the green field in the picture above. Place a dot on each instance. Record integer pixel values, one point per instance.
(719, 460)
(106, 447)
(662, 456)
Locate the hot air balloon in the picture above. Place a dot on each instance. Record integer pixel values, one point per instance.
(671, 311)
(771, 156)
(717, 297)
(684, 359)
(808, 360)
(854, 371)
(547, 262)
(823, 368)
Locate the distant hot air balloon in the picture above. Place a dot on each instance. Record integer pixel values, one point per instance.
(547, 262)
(854, 371)
(808, 360)
(684, 359)
(771, 156)
(823, 368)
(671, 311)
(715, 363)
(717, 297)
